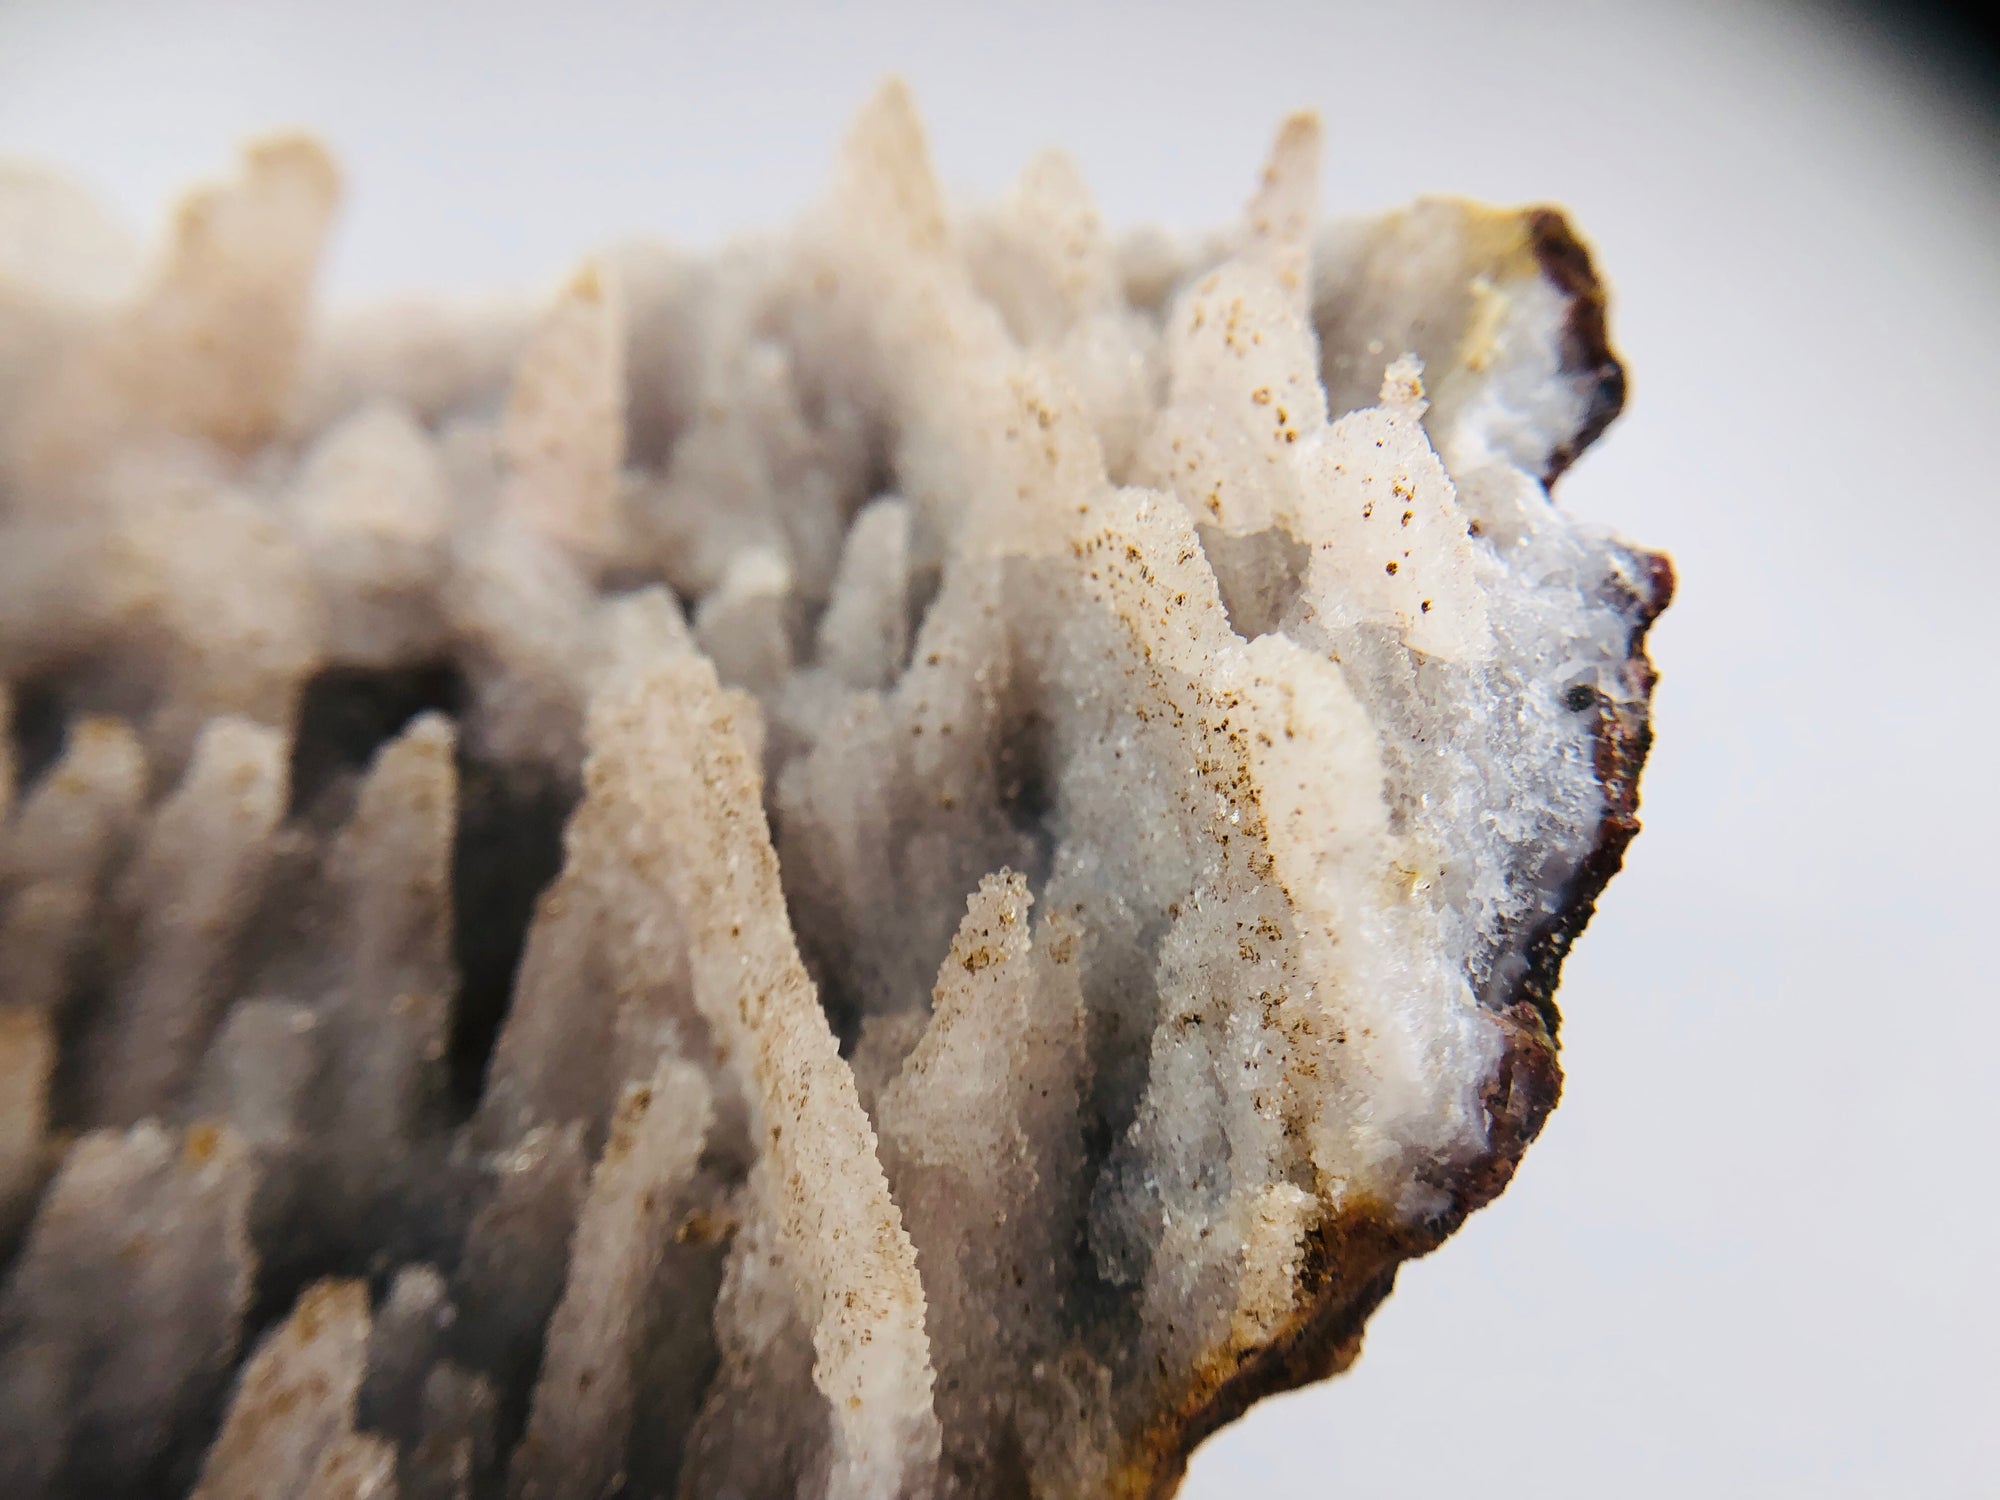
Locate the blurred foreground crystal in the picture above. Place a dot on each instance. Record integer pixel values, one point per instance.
(904, 861)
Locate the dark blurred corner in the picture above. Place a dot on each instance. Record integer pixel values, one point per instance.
(1955, 46)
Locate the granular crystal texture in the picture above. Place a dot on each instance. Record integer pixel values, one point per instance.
(905, 860)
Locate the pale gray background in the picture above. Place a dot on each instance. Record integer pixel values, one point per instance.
(1754, 1252)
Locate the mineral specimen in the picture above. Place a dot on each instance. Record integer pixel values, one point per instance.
(906, 861)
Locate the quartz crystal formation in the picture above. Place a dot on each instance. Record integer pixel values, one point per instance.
(904, 861)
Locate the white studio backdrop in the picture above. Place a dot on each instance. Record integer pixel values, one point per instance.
(1754, 1252)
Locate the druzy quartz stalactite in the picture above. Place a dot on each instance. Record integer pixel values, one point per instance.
(906, 860)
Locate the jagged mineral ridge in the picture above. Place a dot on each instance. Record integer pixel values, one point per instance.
(905, 861)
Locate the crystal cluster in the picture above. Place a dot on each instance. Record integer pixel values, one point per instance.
(903, 861)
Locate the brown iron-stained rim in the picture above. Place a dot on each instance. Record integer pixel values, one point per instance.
(1349, 1268)
(1587, 356)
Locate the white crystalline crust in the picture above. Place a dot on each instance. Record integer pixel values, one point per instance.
(903, 861)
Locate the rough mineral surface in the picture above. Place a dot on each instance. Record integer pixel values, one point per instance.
(904, 861)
